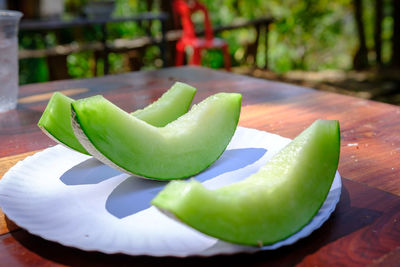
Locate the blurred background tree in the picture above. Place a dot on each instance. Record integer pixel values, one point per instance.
(311, 35)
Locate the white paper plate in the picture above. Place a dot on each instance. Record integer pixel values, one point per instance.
(70, 198)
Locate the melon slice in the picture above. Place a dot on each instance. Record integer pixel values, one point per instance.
(170, 106)
(56, 119)
(181, 149)
(270, 205)
(55, 122)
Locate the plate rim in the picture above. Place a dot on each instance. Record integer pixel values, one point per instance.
(250, 249)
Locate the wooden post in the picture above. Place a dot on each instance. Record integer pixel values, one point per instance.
(57, 66)
(266, 32)
(361, 57)
(396, 34)
(105, 51)
(163, 44)
(251, 53)
(378, 31)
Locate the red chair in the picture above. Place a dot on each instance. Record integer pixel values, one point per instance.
(183, 11)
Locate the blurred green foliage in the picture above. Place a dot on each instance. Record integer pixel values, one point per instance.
(309, 35)
(306, 34)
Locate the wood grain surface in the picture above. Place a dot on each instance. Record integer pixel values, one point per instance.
(361, 230)
(364, 229)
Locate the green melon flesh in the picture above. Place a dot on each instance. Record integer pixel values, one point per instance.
(181, 149)
(269, 206)
(56, 122)
(56, 119)
(170, 106)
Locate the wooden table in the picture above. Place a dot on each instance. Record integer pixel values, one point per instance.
(363, 230)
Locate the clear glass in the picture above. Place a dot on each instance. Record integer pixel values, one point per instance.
(9, 21)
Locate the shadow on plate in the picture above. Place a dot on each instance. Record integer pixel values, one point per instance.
(134, 194)
(90, 171)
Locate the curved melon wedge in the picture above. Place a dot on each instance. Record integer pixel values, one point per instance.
(55, 122)
(270, 205)
(56, 119)
(181, 149)
(170, 106)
